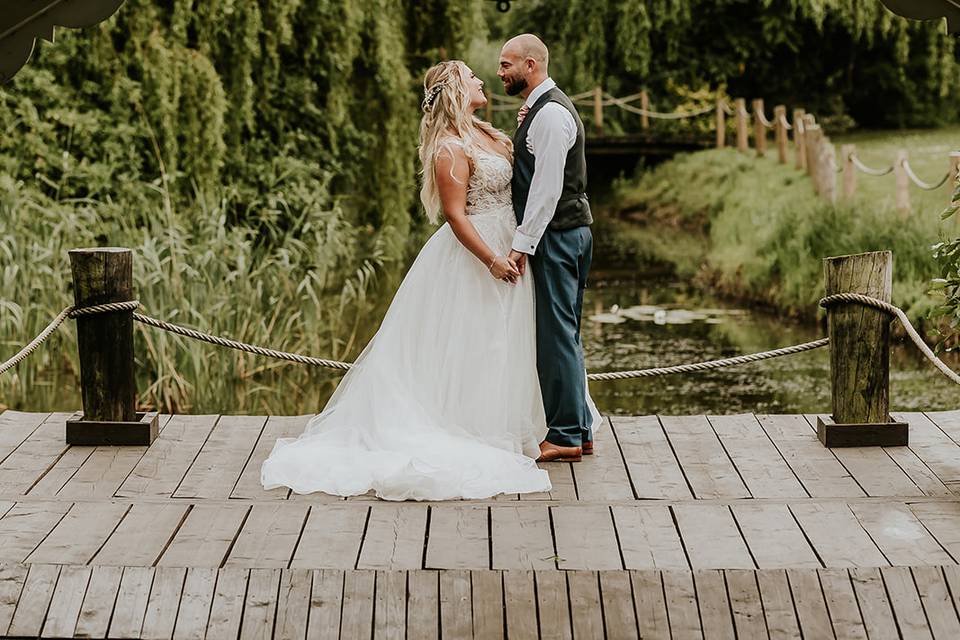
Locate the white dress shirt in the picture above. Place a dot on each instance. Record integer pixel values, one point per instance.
(550, 136)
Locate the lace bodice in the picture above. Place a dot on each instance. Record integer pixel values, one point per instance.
(489, 188)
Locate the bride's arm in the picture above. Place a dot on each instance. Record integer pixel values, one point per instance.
(452, 175)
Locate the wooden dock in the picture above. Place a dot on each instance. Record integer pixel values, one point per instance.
(736, 526)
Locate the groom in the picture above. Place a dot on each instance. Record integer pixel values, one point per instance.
(549, 179)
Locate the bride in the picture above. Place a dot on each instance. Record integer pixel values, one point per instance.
(444, 401)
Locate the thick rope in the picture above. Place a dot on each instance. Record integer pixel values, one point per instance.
(867, 170)
(762, 117)
(902, 317)
(784, 123)
(712, 364)
(658, 114)
(926, 186)
(727, 109)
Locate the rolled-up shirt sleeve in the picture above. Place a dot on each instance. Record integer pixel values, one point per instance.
(551, 135)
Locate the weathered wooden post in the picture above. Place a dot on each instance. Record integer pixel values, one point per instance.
(780, 132)
(902, 198)
(759, 128)
(860, 355)
(740, 106)
(105, 341)
(810, 141)
(849, 171)
(645, 105)
(489, 108)
(721, 124)
(598, 110)
(799, 139)
(828, 170)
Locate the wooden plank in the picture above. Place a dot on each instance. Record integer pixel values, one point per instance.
(603, 476)
(822, 521)
(142, 535)
(711, 537)
(586, 612)
(619, 618)
(205, 536)
(5, 506)
(773, 536)
(456, 608)
(61, 619)
(459, 538)
(778, 608)
(842, 604)
(24, 526)
(269, 536)
(899, 534)
(423, 597)
(874, 604)
(390, 609)
(818, 469)
(573, 525)
(521, 537)
(934, 447)
(918, 471)
(706, 465)
(61, 471)
(941, 519)
(12, 577)
(27, 464)
(164, 601)
(715, 614)
(131, 604)
(331, 537)
(553, 605)
(811, 606)
(486, 589)
(162, 468)
(93, 620)
(872, 468)
(651, 604)
(78, 536)
(195, 603)
(15, 427)
(947, 421)
(293, 604)
(103, 472)
(745, 604)
(936, 601)
(260, 607)
(248, 485)
(653, 468)
(906, 602)
(561, 478)
(220, 462)
(227, 609)
(764, 471)
(34, 600)
(520, 604)
(357, 616)
(682, 609)
(326, 604)
(648, 538)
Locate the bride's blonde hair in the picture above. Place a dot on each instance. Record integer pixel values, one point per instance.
(446, 116)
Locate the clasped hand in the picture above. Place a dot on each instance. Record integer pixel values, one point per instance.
(509, 268)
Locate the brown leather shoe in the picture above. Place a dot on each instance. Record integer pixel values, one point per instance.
(550, 452)
(587, 448)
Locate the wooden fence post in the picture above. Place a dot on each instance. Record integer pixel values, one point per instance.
(598, 110)
(902, 198)
(810, 129)
(489, 108)
(105, 341)
(799, 139)
(740, 106)
(860, 354)
(721, 124)
(828, 170)
(779, 122)
(645, 105)
(849, 171)
(759, 129)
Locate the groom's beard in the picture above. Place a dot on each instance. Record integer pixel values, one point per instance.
(515, 86)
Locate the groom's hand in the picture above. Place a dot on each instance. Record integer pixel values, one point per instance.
(520, 259)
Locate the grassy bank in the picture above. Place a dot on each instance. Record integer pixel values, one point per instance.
(754, 230)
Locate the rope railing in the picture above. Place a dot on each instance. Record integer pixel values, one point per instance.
(867, 170)
(926, 186)
(762, 117)
(131, 305)
(676, 115)
(785, 123)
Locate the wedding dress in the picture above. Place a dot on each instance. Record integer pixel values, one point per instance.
(444, 401)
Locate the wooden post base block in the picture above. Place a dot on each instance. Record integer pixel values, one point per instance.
(141, 432)
(884, 434)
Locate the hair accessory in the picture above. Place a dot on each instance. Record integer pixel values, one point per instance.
(431, 94)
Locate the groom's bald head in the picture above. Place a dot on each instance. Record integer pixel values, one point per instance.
(523, 63)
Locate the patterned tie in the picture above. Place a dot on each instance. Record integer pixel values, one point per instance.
(522, 114)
